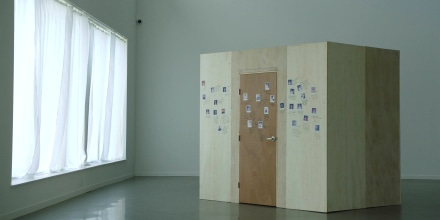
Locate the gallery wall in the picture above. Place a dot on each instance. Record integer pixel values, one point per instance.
(174, 33)
(22, 199)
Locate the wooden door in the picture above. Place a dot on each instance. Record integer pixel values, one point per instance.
(258, 116)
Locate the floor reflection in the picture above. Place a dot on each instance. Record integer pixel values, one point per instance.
(231, 211)
(170, 198)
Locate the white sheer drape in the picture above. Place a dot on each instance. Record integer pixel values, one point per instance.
(24, 57)
(98, 94)
(52, 70)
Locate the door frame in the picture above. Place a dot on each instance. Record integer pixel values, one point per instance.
(277, 103)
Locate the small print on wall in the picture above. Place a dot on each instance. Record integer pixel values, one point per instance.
(260, 124)
(249, 123)
(257, 97)
(299, 106)
(292, 91)
(248, 108)
(299, 88)
(317, 128)
(303, 96)
(224, 89)
(313, 89)
(289, 82)
(223, 111)
(212, 89)
(306, 118)
(281, 106)
(291, 106)
(215, 112)
(313, 111)
(203, 97)
(293, 123)
(267, 86)
(215, 102)
(245, 96)
(203, 82)
(207, 111)
(272, 98)
(266, 110)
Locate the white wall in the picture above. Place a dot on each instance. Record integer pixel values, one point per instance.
(174, 33)
(18, 200)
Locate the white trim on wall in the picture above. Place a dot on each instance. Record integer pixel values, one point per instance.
(161, 173)
(420, 177)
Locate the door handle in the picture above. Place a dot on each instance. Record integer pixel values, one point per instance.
(273, 138)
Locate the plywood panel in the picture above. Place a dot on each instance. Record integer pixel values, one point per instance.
(252, 61)
(258, 118)
(306, 157)
(346, 127)
(382, 127)
(215, 129)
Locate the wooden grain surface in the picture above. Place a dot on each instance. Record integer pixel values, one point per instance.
(346, 127)
(215, 145)
(257, 154)
(382, 127)
(257, 61)
(306, 149)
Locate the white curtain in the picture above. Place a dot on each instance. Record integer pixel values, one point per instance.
(57, 55)
(24, 57)
(98, 93)
(118, 128)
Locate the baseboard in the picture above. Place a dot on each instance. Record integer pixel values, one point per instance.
(159, 173)
(35, 207)
(420, 177)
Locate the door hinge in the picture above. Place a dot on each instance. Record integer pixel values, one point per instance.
(238, 184)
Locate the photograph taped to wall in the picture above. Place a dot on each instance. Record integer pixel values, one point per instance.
(272, 98)
(313, 111)
(316, 128)
(207, 111)
(245, 96)
(224, 89)
(215, 112)
(293, 123)
(313, 89)
(306, 118)
(289, 82)
(215, 102)
(266, 110)
(212, 89)
(292, 91)
(291, 106)
(257, 97)
(267, 86)
(223, 111)
(203, 82)
(303, 96)
(203, 97)
(260, 124)
(299, 106)
(282, 106)
(248, 108)
(299, 88)
(249, 123)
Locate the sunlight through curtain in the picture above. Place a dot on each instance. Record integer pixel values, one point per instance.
(69, 73)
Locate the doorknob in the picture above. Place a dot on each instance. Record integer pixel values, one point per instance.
(273, 138)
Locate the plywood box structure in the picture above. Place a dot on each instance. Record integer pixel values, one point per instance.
(310, 127)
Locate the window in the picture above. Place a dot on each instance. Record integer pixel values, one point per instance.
(70, 90)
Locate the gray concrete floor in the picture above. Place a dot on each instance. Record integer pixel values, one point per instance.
(171, 198)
